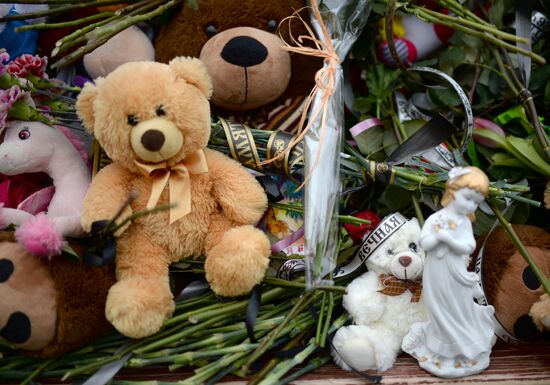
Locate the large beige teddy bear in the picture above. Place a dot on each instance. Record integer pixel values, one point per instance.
(153, 121)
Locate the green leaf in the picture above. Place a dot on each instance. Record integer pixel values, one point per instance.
(395, 198)
(485, 96)
(505, 172)
(526, 149)
(497, 11)
(540, 78)
(450, 58)
(472, 154)
(370, 141)
(444, 97)
(504, 159)
(363, 104)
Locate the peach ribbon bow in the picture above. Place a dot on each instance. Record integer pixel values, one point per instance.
(178, 179)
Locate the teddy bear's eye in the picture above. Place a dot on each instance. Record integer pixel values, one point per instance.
(412, 246)
(389, 251)
(160, 111)
(272, 25)
(211, 30)
(132, 120)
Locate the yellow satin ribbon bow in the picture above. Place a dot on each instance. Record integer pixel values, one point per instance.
(179, 182)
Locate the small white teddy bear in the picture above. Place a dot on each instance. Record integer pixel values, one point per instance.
(383, 302)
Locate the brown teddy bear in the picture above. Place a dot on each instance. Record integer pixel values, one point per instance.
(153, 121)
(521, 307)
(255, 81)
(50, 307)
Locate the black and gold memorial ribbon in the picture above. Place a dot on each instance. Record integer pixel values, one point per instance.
(241, 144)
(245, 149)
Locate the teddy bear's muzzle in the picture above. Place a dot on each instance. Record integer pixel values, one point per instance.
(156, 140)
(248, 66)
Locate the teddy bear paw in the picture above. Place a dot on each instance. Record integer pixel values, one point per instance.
(352, 349)
(540, 312)
(138, 307)
(238, 262)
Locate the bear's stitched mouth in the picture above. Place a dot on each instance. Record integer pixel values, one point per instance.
(245, 96)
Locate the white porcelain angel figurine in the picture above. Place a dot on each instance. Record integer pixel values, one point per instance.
(457, 339)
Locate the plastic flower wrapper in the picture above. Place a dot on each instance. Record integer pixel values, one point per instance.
(344, 21)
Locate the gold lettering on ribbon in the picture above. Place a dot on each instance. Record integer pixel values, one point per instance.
(281, 157)
(241, 144)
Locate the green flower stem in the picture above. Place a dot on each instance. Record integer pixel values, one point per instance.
(59, 10)
(285, 283)
(266, 297)
(189, 357)
(304, 300)
(196, 301)
(503, 71)
(93, 366)
(328, 318)
(423, 180)
(286, 365)
(139, 214)
(172, 338)
(72, 23)
(421, 14)
(274, 361)
(475, 25)
(217, 338)
(320, 323)
(313, 364)
(37, 371)
(105, 32)
(545, 282)
(77, 37)
(81, 36)
(224, 362)
(460, 10)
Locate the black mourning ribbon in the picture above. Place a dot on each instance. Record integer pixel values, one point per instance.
(252, 311)
(430, 135)
(271, 189)
(103, 250)
(434, 132)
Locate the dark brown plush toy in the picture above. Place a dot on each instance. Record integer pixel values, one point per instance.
(510, 285)
(254, 80)
(50, 307)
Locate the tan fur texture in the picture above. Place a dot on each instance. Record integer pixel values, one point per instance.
(225, 201)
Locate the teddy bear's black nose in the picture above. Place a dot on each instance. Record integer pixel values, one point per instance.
(244, 51)
(405, 261)
(153, 140)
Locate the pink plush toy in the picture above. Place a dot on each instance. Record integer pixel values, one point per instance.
(33, 147)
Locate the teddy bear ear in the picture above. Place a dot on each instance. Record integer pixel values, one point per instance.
(85, 106)
(193, 71)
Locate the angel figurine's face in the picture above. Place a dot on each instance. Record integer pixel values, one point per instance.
(466, 200)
